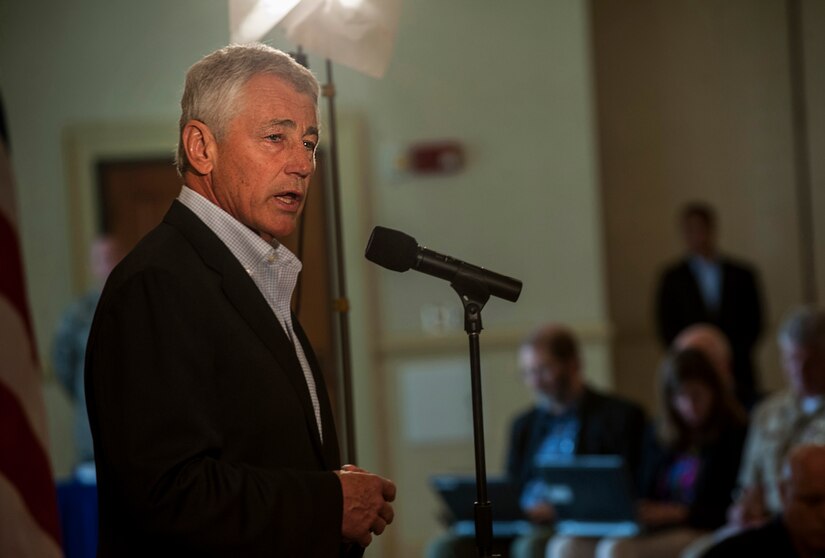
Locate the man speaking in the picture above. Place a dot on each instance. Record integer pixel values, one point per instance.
(212, 428)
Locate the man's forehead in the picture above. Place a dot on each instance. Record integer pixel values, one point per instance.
(534, 354)
(266, 85)
(311, 129)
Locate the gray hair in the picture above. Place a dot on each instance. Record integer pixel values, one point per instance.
(804, 327)
(214, 82)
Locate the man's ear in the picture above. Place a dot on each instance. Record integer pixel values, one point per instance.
(200, 146)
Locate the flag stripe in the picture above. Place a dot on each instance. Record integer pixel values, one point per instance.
(29, 524)
(25, 463)
(11, 279)
(19, 372)
(20, 535)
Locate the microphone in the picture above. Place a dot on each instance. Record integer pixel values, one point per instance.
(399, 252)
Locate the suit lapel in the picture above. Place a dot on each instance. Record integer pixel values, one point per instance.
(244, 295)
(695, 291)
(586, 426)
(726, 288)
(329, 448)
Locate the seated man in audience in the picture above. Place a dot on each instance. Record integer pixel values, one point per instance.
(784, 420)
(799, 532)
(569, 417)
(789, 418)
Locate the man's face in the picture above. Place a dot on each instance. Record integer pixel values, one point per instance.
(699, 235)
(266, 158)
(546, 375)
(804, 502)
(805, 367)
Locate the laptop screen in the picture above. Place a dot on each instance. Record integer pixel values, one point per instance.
(589, 488)
(459, 494)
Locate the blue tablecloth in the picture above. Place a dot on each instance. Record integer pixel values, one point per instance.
(77, 502)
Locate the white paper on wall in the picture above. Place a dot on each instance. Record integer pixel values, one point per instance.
(436, 403)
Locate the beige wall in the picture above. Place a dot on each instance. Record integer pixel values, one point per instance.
(694, 102)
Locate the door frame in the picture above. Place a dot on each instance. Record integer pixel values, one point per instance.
(83, 146)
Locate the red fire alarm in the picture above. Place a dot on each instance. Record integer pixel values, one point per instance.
(443, 157)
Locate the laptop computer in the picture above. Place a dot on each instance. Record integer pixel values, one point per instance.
(593, 495)
(458, 494)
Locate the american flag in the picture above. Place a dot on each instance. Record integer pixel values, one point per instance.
(29, 524)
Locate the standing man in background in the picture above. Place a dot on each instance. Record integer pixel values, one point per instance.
(212, 427)
(707, 287)
(69, 349)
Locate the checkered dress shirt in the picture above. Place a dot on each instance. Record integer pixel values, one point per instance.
(272, 267)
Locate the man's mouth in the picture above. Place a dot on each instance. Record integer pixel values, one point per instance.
(289, 198)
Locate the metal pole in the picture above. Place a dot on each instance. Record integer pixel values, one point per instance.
(341, 303)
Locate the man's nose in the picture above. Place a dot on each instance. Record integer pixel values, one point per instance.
(301, 162)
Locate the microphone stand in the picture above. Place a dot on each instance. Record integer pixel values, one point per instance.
(474, 295)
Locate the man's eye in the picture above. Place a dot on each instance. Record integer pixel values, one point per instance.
(275, 137)
(310, 145)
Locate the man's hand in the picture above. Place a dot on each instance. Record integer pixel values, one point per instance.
(367, 508)
(542, 513)
(658, 514)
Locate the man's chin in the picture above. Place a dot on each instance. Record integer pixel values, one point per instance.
(279, 232)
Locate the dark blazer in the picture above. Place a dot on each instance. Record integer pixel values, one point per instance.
(715, 481)
(608, 425)
(205, 439)
(771, 539)
(679, 304)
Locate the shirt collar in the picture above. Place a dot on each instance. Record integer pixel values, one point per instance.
(812, 404)
(697, 261)
(249, 248)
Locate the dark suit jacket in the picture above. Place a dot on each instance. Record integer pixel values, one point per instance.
(715, 481)
(205, 438)
(772, 539)
(679, 304)
(608, 425)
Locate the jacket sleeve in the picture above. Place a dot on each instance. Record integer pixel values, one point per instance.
(668, 321)
(516, 451)
(750, 312)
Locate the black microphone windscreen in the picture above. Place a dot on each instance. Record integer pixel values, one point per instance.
(391, 249)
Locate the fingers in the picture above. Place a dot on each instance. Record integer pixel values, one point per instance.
(378, 526)
(388, 490)
(367, 510)
(387, 514)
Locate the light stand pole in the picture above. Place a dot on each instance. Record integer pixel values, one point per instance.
(341, 303)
